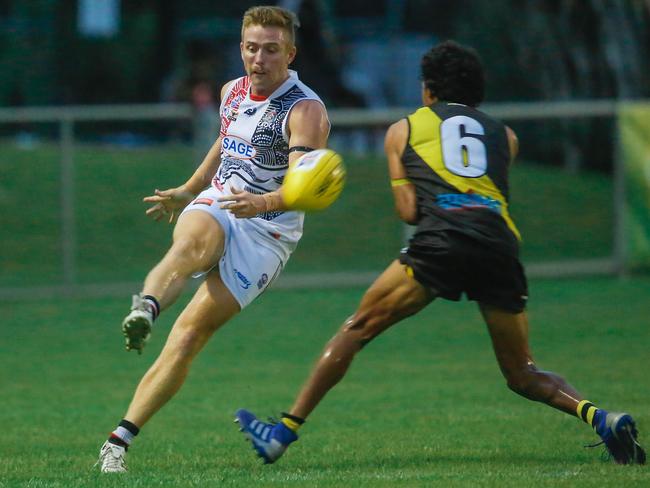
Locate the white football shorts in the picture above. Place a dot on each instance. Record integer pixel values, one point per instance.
(249, 263)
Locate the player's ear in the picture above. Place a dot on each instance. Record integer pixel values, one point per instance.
(428, 97)
(291, 55)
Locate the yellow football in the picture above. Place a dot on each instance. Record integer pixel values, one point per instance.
(314, 180)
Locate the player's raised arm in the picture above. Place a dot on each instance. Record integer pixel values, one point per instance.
(172, 201)
(403, 189)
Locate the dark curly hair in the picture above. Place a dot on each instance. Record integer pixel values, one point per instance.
(454, 73)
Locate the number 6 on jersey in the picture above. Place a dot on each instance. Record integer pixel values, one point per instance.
(463, 154)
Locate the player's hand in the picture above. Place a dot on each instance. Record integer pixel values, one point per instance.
(243, 204)
(168, 203)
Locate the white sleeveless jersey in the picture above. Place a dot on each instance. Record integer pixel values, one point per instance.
(255, 150)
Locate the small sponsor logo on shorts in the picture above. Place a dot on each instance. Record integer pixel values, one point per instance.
(243, 281)
(203, 201)
(264, 279)
(275, 235)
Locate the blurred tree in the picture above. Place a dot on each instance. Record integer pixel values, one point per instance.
(27, 50)
(555, 49)
(108, 70)
(562, 50)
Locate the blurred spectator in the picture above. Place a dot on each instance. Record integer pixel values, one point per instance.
(196, 82)
(199, 68)
(318, 61)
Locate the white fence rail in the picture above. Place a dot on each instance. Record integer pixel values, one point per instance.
(67, 117)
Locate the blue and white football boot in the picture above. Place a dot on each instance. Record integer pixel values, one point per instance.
(619, 434)
(270, 440)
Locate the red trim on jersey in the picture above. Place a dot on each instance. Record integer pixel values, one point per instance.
(257, 98)
(203, 201)
(234, 97)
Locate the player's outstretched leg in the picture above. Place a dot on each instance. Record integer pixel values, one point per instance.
(270, 440)
(111, 458)
(618, 432)
(394, 296)
(509, 332)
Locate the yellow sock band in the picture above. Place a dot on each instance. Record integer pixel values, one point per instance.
(399, 182)
(292, 424)
(586, 411)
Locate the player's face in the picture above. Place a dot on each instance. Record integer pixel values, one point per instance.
(266, 53)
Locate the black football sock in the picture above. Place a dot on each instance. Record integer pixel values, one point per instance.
(153, 304)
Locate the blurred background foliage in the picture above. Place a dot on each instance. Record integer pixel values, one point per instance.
(180, 51)
(534, 50)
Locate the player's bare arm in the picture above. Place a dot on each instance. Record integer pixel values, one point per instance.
(403, 190)
(513, 143)
(172, 201)
(308, 127)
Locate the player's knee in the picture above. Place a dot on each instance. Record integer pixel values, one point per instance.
(363, 326)
(517, 384)
(522, 380)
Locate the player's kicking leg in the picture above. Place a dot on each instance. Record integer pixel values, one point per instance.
(197, 246)
(509, 333)
(394, 296)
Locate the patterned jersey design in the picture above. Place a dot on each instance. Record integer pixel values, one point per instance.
(268, 136)
(255, 147)
(230, 105)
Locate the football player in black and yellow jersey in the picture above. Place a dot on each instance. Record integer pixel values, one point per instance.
(448, 164)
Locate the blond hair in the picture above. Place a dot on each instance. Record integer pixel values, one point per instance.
(270, 16)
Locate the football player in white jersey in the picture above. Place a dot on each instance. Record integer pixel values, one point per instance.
(237, 232)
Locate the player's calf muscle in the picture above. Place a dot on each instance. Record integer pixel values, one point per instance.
(186, 344)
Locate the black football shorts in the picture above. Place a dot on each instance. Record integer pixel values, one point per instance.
(451, 263)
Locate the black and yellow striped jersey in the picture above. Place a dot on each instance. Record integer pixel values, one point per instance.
(458, 159)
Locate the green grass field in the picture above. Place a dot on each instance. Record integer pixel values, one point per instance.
(424, 405)
(560, 215)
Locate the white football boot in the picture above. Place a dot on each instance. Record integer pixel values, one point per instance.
(137, 325)
(111, 458)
